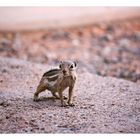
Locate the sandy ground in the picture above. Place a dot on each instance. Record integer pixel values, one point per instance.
(103, 104)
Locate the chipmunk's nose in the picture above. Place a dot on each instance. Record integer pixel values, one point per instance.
(64, 71)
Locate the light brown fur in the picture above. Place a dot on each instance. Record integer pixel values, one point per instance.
(57, 80)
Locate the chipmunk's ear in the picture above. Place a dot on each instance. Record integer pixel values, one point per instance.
(75, 63)
(60, 62)
(60, 65)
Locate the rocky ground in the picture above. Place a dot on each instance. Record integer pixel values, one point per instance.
(103, 104)
(107, 49)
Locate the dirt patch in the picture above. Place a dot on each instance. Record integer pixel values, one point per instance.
(103, 104)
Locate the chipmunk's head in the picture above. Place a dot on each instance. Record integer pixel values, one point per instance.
(67, 67)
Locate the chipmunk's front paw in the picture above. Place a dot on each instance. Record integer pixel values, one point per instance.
(71, 104)
(65, 98)
(64, 104)
(35, 99)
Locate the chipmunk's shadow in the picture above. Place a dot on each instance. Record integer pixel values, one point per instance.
(44, 102)
(47, 99)
(41, 103)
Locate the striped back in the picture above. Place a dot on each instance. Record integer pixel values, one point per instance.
(52, 75)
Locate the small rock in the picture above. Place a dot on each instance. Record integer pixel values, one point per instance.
(107, 51)
(76, 42)
(107, 37)
(4, 71)
(123, 42)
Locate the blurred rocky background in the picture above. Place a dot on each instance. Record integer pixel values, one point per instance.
(105, 41)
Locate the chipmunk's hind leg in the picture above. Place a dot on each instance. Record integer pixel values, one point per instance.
(41, 87)
(63, 103)
(55, 95)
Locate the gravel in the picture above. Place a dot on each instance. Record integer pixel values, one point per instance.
(102, 104)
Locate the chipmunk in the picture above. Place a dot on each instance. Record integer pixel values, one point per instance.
(57, 80)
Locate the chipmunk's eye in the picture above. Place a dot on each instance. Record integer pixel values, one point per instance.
(71, 66)
(60, 66)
